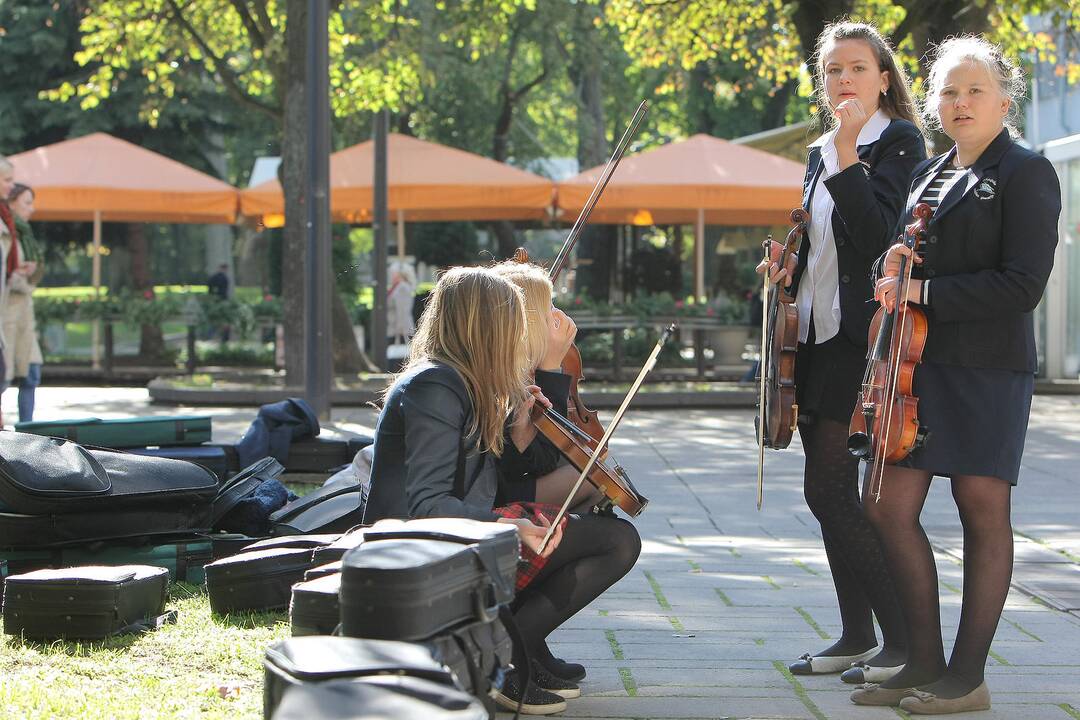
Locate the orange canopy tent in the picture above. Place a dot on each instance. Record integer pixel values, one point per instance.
(699, 180)
(98, 178)
(427, 182)
(101, 176)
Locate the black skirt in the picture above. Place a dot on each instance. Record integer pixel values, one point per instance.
(828, 378)
(976, 420)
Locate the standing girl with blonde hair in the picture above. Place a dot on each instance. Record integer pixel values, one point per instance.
(979, 275)
(438, 436)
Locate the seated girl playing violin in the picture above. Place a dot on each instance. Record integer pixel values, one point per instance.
(437, 438)
(549, 334)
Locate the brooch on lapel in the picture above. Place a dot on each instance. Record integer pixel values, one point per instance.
(986, 189)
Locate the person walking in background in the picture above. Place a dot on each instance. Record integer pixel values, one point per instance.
(22, 353)
(399, 310)
(218, 286)
(7, 236)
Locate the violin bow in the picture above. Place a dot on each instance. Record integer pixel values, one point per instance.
(648, 366)
(598, 189)
(762, 373)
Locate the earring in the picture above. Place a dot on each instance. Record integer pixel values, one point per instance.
(885, 91)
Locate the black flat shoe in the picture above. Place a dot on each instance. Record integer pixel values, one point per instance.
(537, 701)
(825, 664)
(571, 672)
(546, 681)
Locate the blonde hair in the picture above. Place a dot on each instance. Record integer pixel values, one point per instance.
(972, 48)
(535, 284)
(474, 322)
(897, 101)
(6, 164)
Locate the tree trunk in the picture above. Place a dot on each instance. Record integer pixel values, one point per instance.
(810, 18)
(151, 340)
(293, 174)
(596, 243)
(348, 357)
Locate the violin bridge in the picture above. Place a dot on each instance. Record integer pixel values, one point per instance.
(794, 416)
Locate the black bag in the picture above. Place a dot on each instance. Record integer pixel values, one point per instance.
(336, 550)
(322, 455)
(411, 589)
(55, 492)
(258, 580)
(314, 609)
(307, 542)
(331, 508)
(323, 570)
(91, 602)
(479, 654)
(314, 660)
(378, 698)
(239, 507)
(214, 458)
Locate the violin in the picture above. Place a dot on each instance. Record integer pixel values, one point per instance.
(885, 425)
(580, 415)
(778, 413)
(578, 447)
(614, 484)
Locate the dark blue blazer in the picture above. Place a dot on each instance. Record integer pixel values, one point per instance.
(868, 198)
(988, 252)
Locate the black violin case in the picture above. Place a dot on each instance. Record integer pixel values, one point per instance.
(411, 580)
(336, 550)
(314, 661)
(256, 580)
(314, 609)
(90, 602)
(333, 508)
(56, 492)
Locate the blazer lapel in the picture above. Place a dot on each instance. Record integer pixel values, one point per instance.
(815, 166)
(978, 170)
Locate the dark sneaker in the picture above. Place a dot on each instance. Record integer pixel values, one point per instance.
(553, 684)
(537, 701)
(571, 672)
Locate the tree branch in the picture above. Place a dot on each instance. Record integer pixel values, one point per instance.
(253, 31)
(221, 67)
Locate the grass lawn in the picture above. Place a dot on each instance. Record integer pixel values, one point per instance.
(176, 672)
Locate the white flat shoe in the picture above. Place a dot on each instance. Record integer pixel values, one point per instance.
(825, 664)
(860, 673)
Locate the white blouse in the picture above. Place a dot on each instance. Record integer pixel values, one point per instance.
(819, 288)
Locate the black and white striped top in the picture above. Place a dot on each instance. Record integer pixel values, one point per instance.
(940, 186)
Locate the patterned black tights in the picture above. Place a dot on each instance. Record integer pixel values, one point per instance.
(859, 570)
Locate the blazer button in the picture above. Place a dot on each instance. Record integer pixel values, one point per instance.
(845, 278)
(931, 273)
(840, 242)
(932, 240)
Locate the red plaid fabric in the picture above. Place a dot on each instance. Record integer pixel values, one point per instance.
(530, 563)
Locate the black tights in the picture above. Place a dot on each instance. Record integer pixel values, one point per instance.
(859, 570)
(984, 505)
(594, 552)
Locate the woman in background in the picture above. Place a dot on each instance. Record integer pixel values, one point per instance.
(22, 352)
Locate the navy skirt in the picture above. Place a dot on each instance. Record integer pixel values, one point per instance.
(828, 378)
(976, 420)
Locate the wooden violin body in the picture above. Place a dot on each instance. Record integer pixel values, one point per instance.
(779, 412)
(885, 426)
(577, 447)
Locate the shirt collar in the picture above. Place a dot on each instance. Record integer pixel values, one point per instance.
(870, 132)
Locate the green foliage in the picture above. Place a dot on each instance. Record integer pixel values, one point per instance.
(445, 244)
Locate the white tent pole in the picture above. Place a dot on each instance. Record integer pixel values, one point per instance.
(699, 256)
(401, 234)
(95, 273)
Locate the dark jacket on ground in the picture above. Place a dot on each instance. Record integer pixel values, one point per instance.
(420, 441)
(988, 253)
(867, 197)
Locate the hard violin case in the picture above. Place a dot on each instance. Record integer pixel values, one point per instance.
(314, 609)
(255, 580)
(134, 432)
(89, 603)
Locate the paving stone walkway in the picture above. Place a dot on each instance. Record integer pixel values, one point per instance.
(724, 596)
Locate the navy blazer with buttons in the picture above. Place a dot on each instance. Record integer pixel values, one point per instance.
(868, 198)
(988, 252)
